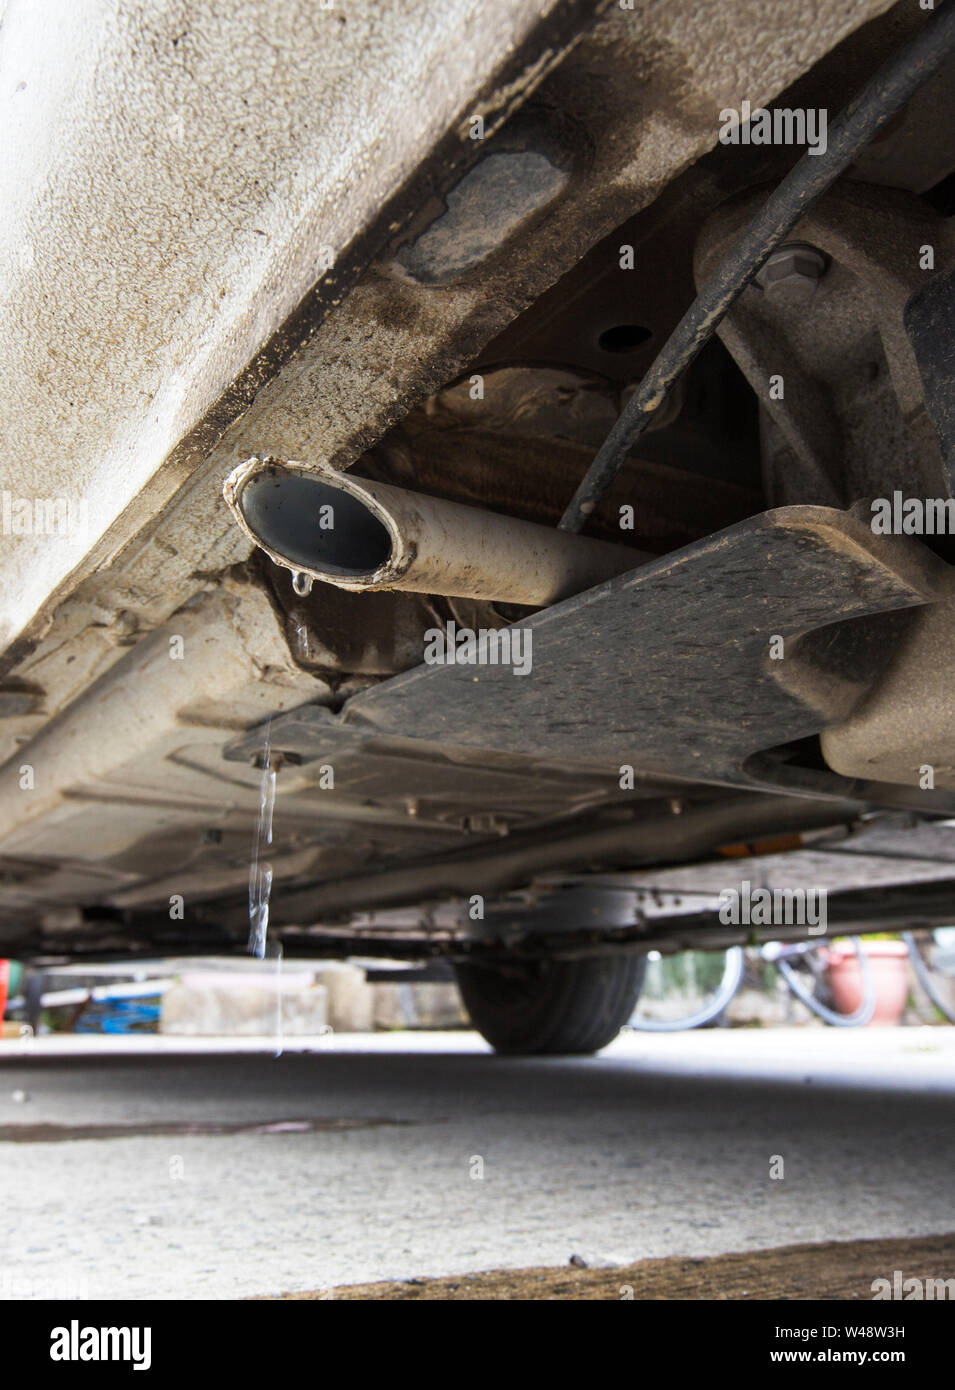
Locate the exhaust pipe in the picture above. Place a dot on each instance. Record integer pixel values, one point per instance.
(363, 535)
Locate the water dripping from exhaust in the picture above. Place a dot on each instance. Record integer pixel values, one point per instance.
(260, 871)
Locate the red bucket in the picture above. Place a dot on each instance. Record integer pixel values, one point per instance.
(889, 969)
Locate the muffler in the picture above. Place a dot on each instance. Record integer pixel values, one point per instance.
(364, 535)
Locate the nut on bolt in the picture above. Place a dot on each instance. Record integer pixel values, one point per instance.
(793, 266)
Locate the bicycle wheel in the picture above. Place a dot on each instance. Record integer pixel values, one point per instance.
(785, 958)
(711, 1008)
(936, 976)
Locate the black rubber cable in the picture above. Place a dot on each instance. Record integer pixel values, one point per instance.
(892, 86)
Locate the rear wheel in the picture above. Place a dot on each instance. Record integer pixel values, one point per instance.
(552, 1006)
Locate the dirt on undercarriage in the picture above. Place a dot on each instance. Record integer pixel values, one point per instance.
(833, 1270)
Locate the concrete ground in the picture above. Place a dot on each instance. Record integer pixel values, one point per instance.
(185, 1174)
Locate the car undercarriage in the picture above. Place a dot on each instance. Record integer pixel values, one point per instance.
(483, 727)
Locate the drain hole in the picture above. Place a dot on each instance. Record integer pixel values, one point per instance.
(623, 337)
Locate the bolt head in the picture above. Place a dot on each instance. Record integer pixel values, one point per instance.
(796, 265)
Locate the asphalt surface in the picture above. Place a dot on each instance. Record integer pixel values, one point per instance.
(165, 1176)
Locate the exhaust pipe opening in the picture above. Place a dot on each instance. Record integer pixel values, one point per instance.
(288, 515)
(361, 535)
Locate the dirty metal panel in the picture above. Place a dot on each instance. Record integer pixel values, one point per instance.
(434, 787)
(930, 324)
(669, 669)
(906, 724)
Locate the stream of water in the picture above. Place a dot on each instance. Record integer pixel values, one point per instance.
(260, 871)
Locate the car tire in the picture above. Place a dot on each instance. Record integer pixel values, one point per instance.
(552, 1006)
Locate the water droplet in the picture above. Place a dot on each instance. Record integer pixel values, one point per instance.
(302, 584)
